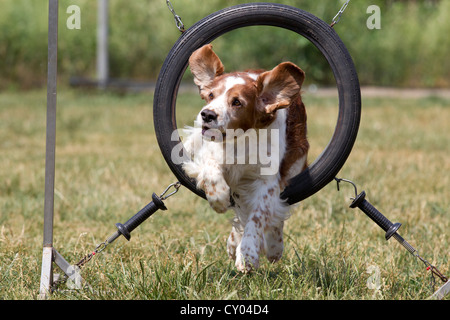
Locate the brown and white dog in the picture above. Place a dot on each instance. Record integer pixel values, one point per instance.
(241, 106)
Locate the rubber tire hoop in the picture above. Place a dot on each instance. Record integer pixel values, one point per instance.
(333, 157)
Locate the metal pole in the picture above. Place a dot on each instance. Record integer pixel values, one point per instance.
(51, 122)
(47, 257)
(102, 43)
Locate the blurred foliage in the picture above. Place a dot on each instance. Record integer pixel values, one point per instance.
(411, 48)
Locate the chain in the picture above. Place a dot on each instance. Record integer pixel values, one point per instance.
(177, 18)
(337, 17)
(434, 271)
(89, 256)
(102, 246)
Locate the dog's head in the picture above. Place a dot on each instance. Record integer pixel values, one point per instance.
(241, 100)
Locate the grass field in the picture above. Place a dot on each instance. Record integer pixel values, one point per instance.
(108, 164)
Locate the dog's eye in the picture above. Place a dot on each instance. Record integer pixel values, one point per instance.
(211, 96)
(236, 102)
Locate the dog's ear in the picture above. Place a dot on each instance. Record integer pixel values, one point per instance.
(277, 88)
(205, 66)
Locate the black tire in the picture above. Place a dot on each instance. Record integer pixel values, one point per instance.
(327, 165)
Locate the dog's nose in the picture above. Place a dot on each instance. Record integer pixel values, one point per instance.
(208, 115)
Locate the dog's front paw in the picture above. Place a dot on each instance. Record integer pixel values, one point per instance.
(247, 258)
(218, 195)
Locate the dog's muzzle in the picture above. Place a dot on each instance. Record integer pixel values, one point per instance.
(208, 116)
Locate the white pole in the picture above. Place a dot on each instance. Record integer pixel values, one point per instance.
(102, 43)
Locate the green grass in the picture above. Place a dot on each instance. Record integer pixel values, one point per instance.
(108, 164)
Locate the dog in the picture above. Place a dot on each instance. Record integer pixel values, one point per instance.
(262, 103)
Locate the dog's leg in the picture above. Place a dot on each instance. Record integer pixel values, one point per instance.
(206, 168)
(233, 241)
(263, 228)
(217, 191)
(248, 251)
(211, 181)
(274, 242)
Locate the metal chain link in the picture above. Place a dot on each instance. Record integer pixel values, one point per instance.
(89, 256)
(175, 185)
(177, 18)
(337, 17)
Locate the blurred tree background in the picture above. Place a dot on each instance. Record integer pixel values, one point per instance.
(410, 50)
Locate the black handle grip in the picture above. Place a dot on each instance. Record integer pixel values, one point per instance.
(126, 228)
(375, 215)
